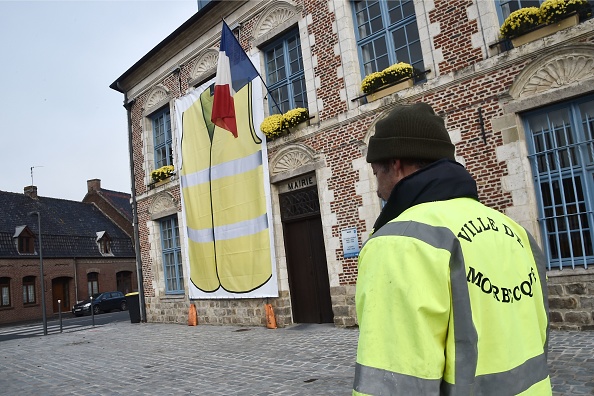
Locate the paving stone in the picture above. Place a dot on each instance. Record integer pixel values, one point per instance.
(155, 359)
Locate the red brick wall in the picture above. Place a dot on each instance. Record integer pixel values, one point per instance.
(454, 38)
(53, 269)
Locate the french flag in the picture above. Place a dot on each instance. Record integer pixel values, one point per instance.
(234, 71)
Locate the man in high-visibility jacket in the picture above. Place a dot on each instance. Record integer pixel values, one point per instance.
(451, 295)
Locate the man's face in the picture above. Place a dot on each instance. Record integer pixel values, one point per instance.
(387, 177)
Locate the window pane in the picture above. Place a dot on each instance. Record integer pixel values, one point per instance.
(171, 255)
(299, 92)
(5, 296)
(587, 119)
(162, 138)
(507, 7)
(560, 146)
(393, 41)
(284, 71)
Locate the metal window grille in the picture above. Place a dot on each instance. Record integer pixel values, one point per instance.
(299, 204)
(561, 149)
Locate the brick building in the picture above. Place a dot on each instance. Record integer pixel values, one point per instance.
(83, 250)
(521, 118)
(114, 204)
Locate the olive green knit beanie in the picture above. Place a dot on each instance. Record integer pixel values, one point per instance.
(410, 132)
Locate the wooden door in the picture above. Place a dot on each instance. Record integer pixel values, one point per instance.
(306, 258)
(60, 288)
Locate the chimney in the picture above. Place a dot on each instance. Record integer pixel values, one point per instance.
(31, 191)
(93, 185)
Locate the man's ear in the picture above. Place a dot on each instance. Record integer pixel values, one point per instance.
(397, 168)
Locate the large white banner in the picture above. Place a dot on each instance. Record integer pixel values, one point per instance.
(225, 192)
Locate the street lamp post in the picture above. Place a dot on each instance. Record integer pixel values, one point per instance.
(41, 272)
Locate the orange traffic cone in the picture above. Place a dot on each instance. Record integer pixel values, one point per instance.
(192, 316)
(270, 320)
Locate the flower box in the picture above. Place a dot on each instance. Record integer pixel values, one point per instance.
(161, 182)
(546, 30)
(300, 126)
(390, 90)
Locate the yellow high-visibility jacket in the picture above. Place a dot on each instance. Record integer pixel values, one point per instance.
(451, 300)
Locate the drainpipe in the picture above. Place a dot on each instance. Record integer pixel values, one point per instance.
(75, 279)
(139, 277)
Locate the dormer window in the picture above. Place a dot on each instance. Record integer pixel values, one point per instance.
(25, 240)
(104, 243)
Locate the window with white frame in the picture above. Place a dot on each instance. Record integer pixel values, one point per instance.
(387, 33)
(162, 139)
(4, 292)
(29, 290)
(172, 259)
(561, 150)
(284, 73)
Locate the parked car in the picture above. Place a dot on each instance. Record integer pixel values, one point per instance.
(102, 302)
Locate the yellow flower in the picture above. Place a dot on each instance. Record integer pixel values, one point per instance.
(552, 11)
(397, 72)
(295, 116)
(273, 125)
(162, 173)
(520, 21)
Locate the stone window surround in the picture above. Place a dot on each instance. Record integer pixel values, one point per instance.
(157, 99)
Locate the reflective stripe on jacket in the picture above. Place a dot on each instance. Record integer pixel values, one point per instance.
(451, 300)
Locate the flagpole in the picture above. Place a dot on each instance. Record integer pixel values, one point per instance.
(261, 79)
(280, 111)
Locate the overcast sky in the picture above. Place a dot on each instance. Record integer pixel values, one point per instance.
(58, 114)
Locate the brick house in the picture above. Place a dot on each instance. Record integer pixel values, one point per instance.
(521, 118)
(83, 251)
(114, 204)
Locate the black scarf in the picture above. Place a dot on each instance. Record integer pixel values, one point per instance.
(440, 181)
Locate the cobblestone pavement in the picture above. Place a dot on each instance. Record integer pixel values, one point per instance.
(167, 359)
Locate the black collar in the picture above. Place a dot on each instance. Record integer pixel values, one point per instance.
(439, 181)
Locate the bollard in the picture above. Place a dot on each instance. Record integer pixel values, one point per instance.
(60, 314)
(92, 313)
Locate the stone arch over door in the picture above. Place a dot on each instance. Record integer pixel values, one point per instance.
(292, 160)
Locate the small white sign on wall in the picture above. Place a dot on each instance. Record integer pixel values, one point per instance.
(350, 242)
